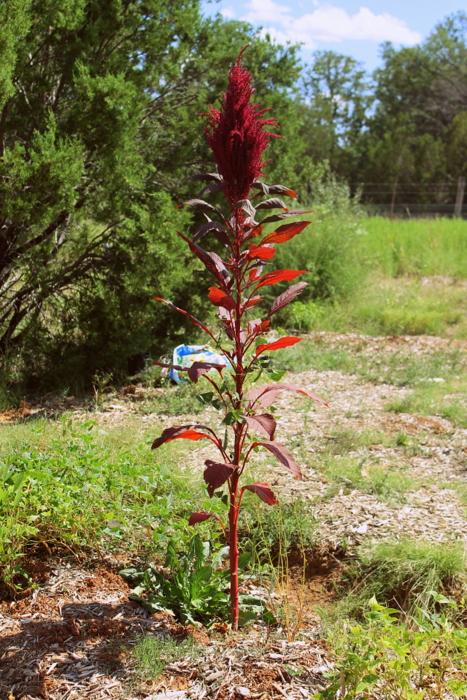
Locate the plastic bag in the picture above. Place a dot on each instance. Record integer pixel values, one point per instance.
(185, 355)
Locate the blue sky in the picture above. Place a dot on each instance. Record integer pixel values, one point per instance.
(351, 27)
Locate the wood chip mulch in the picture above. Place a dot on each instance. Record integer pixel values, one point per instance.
(72, 639)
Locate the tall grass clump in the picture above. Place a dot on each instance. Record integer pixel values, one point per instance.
(424, 247)
(405, 574)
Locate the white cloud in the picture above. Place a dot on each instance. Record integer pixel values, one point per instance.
(227, 13)
(329, 24)
(267, 11)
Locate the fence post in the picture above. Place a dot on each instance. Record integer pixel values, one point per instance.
(460, 196)
(393, 198)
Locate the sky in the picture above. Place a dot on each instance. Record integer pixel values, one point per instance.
(350, 27)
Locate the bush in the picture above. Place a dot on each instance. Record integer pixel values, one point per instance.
(326, 248)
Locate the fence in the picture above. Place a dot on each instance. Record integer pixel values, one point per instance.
(415, 199)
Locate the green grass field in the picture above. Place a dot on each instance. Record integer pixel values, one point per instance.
(382, 277)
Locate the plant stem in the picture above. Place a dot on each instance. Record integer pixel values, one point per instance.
(233, 512)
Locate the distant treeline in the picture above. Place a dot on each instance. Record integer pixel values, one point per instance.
(404, 124)
(101, 124)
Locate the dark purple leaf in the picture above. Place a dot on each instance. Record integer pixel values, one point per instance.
(263, 423)
(211, 260)
(199, 204)
(179, 368)
(261, 394)
(286, 297)
(215, 226)
(263, 491)
(216, 474)
(281, 189)
(284, 456)
(201, 516)
(261, 186)
(212, 188)
(285, 215)
(272, 203)
(206, 177)
(247, 207)
(198, 369)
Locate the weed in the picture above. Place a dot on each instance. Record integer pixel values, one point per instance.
(85, 487)
(154, 653)
(382, 658)
(268, 534)
(194, 587)
(176, 401)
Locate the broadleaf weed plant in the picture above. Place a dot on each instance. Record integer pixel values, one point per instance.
(237, 136)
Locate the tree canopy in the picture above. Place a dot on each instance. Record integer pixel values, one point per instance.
(101, 124)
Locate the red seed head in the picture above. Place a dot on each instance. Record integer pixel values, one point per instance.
(237, 136)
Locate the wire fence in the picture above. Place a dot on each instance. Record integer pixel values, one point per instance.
(414, 199)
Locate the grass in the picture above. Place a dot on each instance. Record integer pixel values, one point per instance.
(85, 487)
(405, 573)
(345, 474)
(176, 400)
(445, 399)
(398, 367)
(418, 247)
(154, 653)
(381, 277)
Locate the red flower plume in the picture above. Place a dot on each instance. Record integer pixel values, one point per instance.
(237, 136)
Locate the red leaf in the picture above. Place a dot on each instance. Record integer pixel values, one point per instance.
(198, 369)
(263, 491)
(257, 326)
(262, 394)
(219, 298)
(185, 313)
(277, 344)
(285, 232)
(256, 231)
(260, 252)
(186, 432)
(284, 456)
(253, 275)
(252, 302)
(279, 276)
(286, 297)
(201, 516)
(264, 423)
(216, 474)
